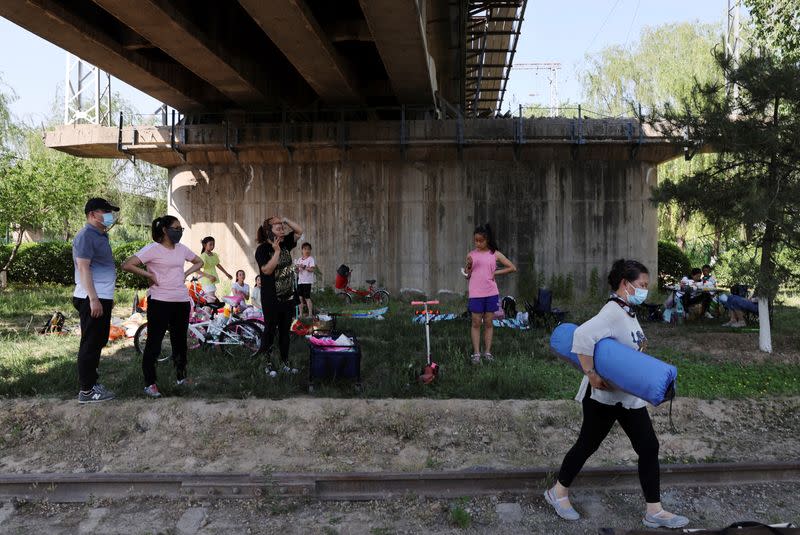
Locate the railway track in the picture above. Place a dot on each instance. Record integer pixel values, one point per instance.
(356, 486)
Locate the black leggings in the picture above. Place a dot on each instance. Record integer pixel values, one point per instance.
(163, 316)
(279, 316)
(598, 418)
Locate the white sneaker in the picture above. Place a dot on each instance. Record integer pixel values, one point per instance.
(292, 371)
(709, 316)
(270, 372)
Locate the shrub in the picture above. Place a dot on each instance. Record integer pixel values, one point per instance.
(51, 262)
(673, 264)
(40, 263)
(121, 252)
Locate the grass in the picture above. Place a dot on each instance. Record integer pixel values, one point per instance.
(35, 365)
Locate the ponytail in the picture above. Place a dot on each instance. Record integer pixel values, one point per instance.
(158, 226)
(204, 241)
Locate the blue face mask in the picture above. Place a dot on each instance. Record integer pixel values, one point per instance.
(639, 296)
(108, 219)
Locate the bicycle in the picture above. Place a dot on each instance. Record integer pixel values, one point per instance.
(373, 294)
(239, 337)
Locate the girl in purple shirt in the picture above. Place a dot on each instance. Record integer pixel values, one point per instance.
(484, 297)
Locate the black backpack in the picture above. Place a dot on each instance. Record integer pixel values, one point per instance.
(54, 325)
(343, 270)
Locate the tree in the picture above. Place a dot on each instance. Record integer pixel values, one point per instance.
(44, 190)
(662, 66)
(777, 27)
(755, 180)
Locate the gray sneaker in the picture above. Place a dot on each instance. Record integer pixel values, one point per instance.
(97, 394)
(567, 513)
(656, 521)
(152, 391)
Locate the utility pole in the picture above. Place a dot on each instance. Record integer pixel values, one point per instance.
(733, 44)
(552, 69)
(87, 93)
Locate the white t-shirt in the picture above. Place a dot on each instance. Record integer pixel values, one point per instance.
(611, 322)
(305, 277)
(244, 288)
(255, 298)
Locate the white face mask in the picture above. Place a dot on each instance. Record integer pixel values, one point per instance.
(639, 295)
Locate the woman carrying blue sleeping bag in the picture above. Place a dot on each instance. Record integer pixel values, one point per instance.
(603, 405)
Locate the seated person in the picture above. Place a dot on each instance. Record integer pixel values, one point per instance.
(255, 295)
(708, 280)
(693, 294)
(737, 306)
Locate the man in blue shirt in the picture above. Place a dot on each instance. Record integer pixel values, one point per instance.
(93, 298)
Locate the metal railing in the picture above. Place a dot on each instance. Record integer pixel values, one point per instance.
(344, 127)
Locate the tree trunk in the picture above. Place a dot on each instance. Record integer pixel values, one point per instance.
(764, 331)
(767, 287)
(4, 269)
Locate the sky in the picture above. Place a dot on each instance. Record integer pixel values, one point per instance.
(563, 31)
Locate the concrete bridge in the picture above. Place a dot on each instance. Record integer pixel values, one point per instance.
(374, 124)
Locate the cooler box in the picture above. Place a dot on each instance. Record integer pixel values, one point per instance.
(334, 362)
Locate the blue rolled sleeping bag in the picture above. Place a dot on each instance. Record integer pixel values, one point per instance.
(629, 370)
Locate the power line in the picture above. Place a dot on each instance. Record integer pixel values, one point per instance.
(602, 25)
(635, 12)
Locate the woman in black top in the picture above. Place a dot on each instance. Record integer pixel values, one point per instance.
(277, 284)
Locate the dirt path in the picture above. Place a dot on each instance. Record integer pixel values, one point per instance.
(309, 434)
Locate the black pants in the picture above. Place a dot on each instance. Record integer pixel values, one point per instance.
(598, 418)
(279, 316)
(163, 316)
(94, 336)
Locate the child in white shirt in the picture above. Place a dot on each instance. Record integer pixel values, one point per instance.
(306, 266)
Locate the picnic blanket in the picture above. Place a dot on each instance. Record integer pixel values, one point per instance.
(376, 314)
(434, 317)
(511, 324)
(508, 323)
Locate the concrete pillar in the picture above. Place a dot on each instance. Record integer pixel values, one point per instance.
(410, 223)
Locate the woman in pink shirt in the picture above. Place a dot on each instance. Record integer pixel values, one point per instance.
(167, 298)
(484, 297)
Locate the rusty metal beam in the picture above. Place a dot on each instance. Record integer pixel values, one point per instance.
(291, 25)
(371, 485)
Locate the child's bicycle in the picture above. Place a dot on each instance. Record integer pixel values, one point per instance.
(346, 294)
(207, 327)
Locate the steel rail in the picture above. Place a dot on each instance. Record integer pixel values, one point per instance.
(358, 486)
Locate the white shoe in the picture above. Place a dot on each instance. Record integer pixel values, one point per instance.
(292, 371)
(270, 372)
(709, 316)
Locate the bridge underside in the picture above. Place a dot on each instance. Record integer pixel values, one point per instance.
(398, 200)
(256, 55)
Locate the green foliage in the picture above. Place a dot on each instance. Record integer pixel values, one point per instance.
(754, 183)
(776, 27)
(595, 285)
(51, 263)
(459, 516)
(121, 252)
(40, 263)
(661, 67)
(673, 264)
